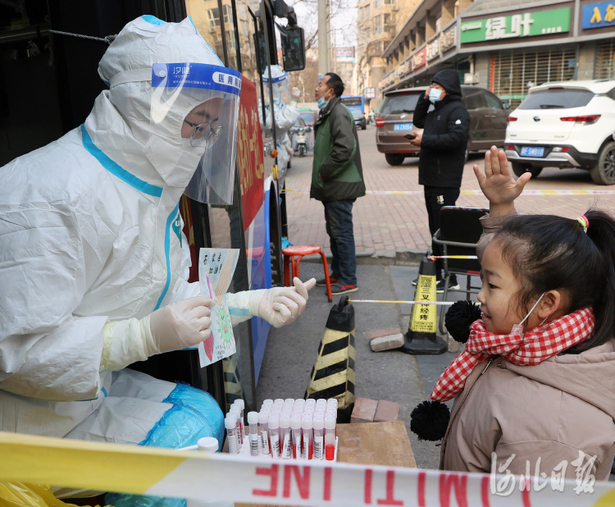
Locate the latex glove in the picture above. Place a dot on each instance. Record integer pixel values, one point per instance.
(279, 306)
(172, 327)
(295, 95)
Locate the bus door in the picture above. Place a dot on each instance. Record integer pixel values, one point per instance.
(243, 34)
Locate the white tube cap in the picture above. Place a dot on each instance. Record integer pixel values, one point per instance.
(230, 422)
(252, 417)
(318, 423)
(208, 444)
(330, 423)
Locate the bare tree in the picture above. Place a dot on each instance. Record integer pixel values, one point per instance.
(342, 21)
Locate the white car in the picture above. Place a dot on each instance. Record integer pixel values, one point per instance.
(567, 125)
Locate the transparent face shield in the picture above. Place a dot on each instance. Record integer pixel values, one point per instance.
(279, 81)
(194, 113)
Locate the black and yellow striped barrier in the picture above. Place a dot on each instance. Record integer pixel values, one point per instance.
(333, 373)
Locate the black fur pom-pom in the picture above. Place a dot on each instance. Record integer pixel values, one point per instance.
(429, 420)
(459, 317)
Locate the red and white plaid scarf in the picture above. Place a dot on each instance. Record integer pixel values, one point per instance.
(529, 348)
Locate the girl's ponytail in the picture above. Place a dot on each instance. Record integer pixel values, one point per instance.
(601, 230)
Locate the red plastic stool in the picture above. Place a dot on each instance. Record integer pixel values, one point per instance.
(294, 254)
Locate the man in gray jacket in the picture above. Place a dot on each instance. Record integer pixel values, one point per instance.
(337, 179)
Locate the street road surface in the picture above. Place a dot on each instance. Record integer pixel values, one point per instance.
(399, 222)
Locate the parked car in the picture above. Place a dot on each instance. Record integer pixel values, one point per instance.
(359, 118)
(309, 117)
(567, 125)
(487, 121)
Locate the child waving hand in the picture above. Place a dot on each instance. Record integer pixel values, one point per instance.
(535, 387)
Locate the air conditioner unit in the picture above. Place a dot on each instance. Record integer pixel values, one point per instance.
(395, 8)
(470, 78)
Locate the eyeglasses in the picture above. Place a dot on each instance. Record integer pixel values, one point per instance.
(203, 134)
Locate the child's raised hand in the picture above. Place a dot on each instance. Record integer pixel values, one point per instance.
(498, 184)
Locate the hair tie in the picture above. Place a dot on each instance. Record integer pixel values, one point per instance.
(582, 219)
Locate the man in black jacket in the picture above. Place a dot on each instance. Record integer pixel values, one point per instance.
(443, 144)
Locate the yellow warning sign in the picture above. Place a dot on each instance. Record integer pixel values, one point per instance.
(424, 317)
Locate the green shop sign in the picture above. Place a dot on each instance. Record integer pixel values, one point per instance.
(528, 24)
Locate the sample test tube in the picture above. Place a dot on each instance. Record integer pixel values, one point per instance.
(318, 423)
(236, 416)
(230, 423)
(263, 418)
(307, 449)
(285, 436)
(329, 438)
(274, 435)
(241, 405)
(253, 433)
(295, 426)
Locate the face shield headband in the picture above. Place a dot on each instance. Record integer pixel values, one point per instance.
(195, 108)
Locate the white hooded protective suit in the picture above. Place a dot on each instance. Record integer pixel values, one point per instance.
(90, 232)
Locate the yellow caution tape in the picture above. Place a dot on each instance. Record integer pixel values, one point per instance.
(224, 477)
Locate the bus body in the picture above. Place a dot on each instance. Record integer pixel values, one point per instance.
(60, 92)
(356, 104)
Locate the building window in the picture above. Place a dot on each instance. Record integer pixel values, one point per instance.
(377, 24)
(367, 11)
(214, 19)
(514, 73)
(605, 60)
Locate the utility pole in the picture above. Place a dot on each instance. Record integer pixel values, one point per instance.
(323, 38)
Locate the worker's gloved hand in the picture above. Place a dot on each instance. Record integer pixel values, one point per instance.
(172, 327)
(279, 306)
(181, 324)
(295, 95)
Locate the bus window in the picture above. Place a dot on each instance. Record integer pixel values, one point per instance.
(351, 101)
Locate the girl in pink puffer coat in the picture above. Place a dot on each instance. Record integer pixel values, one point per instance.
(535, 387)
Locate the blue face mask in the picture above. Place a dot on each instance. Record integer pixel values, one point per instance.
(321, 103)
(435, 95)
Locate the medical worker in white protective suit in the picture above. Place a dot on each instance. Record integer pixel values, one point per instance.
(285, 110)
(92, 270)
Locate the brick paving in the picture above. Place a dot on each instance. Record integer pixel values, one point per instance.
(399, 222)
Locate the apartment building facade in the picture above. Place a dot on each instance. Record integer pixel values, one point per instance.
(377, 23)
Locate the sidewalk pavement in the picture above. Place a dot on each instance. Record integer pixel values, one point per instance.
(386, 224)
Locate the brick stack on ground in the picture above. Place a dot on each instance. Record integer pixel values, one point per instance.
(366, 411)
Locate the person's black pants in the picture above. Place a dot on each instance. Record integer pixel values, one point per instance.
(435, 198)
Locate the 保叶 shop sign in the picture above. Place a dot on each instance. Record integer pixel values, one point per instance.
(527, 24)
